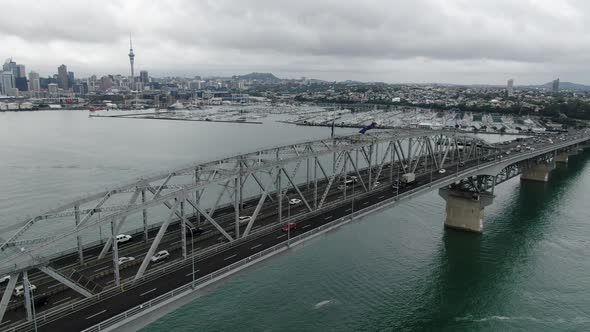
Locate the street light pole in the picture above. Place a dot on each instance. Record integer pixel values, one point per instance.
(192, 253)
(33, 306)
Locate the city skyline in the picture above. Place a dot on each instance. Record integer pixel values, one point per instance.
(421, 42)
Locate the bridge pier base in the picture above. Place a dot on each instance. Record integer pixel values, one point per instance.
(562, 157)
(537, 172)
(465, 210)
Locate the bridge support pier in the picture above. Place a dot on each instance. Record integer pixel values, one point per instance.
(537, 171)
(465, 210)
(562, 157)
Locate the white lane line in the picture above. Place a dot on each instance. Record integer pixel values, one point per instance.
(96, 314)
(306, 226)
(102, 268)
(6, 322)
(328, 217)
(278, 237)
(365, 203)
(349, 209)
(199, 248)
(176, 242)
(151, 290)
(62, 300)
(190, 274)
(230, 257)
(256, 246)
(53, 286)
(380, 197)
(207, 231)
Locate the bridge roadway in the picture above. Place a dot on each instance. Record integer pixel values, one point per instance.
(143, 292)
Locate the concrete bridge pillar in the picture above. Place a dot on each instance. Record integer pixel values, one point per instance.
(465, 210)
(537, 171)
(562, 157)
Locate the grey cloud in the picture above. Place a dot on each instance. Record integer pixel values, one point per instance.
(330, 38)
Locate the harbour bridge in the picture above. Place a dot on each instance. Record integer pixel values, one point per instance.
(103, 260)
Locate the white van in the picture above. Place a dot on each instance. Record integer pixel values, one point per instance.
(20, 289)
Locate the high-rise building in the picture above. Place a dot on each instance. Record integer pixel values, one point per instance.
(555, 86)
(10, 66)
(7, 81)
(62, 77)
(21, 83)
(20, 71)
(143, 77)
(34, 82)
(71, 79)
(106, 82)
(131, 60)
(52, 88)
(510, 87)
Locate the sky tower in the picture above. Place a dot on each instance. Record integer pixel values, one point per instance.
(131, 59)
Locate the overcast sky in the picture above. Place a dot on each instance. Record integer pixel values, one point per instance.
(450, 41)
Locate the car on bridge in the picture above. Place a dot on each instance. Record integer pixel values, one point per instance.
(289, 227)
(160, 255)
(4, 279)
(244, 219)
(442, 171)
(122, 238)
(123, 260)
(20, 289)
(294, 201)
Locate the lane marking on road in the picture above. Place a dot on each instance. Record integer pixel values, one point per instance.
(365, 203)
(306, 226)
(278, 237)
(53, 286)
(102, 268)
(190, 274)
(207, 231)
(6, 322)
(380, 197)
(62, 300)
(151, 290)
(328, 217)
(230, 257)
(199, 248)
(349, 209)
(96, 314)
(256, 246)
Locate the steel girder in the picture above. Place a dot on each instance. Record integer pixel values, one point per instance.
(118, 204)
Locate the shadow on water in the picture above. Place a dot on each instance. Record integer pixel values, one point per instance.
(473, 274)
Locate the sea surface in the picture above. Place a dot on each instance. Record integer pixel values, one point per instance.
(395, 270)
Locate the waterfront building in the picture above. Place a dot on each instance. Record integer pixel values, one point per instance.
(62, 77)
(71, 79)
(510, 87)
(52, 88)
(34, 82)
(7, 81)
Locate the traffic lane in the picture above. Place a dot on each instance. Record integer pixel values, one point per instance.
(137, 295)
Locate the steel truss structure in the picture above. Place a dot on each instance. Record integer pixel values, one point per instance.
(217, 193)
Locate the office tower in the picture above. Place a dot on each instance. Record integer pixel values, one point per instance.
(510, 87)
(7, 81)
(21, 83)
(34, 82)
(10, 66)
(62, 77)
(52, 88)
(106, 82)
(20, 71)
(71, 79)
(556, 86)
(143, 77)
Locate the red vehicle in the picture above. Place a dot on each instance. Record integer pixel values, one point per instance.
(290, 227)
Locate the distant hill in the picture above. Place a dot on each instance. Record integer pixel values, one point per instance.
(260, 77)
(567, 86)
